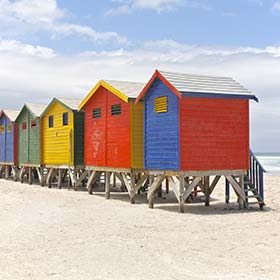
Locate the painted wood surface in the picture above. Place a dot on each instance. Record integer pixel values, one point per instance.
(58, 139)
(29, 139)
(137, 135)
(111, 140)
(161, 130)
(214, 134)
(63, 143)
(8, 140)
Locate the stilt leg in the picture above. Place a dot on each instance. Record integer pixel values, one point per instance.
(181, 193)
(132, 193)
(42, 177)
(207, 190)
(30, 175)
(227, 191)
(59, 178)
(7, 172)
(167, 185)
(107, 185)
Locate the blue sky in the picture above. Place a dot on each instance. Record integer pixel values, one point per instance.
(63, 47)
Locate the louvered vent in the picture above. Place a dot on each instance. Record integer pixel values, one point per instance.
(161, 104)
(116, 110)
(96, 113)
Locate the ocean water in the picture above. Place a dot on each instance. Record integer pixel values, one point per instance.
(270, 162)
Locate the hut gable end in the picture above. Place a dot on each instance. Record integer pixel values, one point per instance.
(161, 131)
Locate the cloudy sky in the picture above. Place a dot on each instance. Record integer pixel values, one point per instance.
(63, 47)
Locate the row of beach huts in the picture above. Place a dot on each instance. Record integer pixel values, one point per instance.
(179, 130)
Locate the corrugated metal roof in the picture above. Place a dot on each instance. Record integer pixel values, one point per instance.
(130, 89)
(204, 84)
(12, 114)
(36, 109)
(71, 103)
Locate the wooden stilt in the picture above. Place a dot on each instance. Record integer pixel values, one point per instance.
(181, 193)
(160, 191)
(207, 190)
(242, 203)
(238, 187)
(30, 176)
(49, 178)
(227, 191)
(153, 187)
(167, 185)
(59, 179)
(133, 182)
(21, 174)
(15, 173)
(90, 182)
(138, 185)
(7, 172)
(75, 187)
(107, 185)
(42, 177)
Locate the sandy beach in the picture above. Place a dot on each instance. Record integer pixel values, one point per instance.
(61, 234)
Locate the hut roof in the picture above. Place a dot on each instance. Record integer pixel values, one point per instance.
(124, 90)
(200, 85)
(36, 109)
(70, 103)
(11, 114)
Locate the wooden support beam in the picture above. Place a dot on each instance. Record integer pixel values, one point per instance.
(132, 186)
(39, 174)
(237, 187)
(123, 187)
(49, 178)
(167, 185)
(7, 172)
(175, 188)
(181, 193)
(59, 178)
(126, 182)
(90, 181)
(30, 177)
(189, 188)
(139, 184)
(207, 190)
(214, 183)
(107, 185)
(21, 174)
(15, 168)
(81, 178)
(156, 183)
(42, 176)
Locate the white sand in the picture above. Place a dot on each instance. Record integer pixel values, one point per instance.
(61, 234)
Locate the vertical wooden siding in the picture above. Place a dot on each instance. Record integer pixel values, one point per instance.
(137, 135)
(56, 143)
(108, 138)
(34, 141)
(9, 141)
(95, 130)
(161, 130)
(23, 137)
(214, 134)
(118, 133)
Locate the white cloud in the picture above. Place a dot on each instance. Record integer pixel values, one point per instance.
(276, 6)
(34, 16)
(35, 73)
(129, 6)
